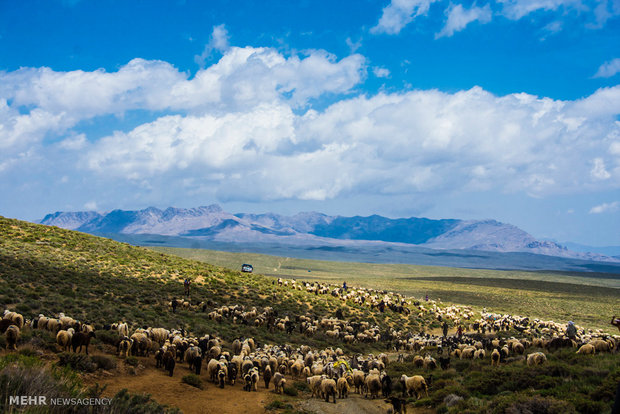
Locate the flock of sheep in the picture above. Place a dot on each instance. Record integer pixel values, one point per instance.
(328, 372)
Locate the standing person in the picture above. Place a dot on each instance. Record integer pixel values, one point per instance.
(427, 297)
(344, 286)
(459, 331)
(571, 330)
(174, 305)
(186, 285)
(445, 329)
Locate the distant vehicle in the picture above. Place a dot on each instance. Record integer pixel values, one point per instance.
(247, 268)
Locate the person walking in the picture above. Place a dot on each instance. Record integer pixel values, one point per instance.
(444, 327)
(186, 284)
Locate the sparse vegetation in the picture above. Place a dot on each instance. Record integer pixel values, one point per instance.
(49, 270)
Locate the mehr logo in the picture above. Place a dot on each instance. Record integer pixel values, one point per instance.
(28, 400)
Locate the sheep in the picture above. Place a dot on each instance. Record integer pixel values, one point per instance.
(587, 349)
(122, 329)
(418, 361)
(80, 339)
(373, 385)
(398, 405)
(63, 339)
(413, 384)
(314, 383)
(12, 335)
(358, 380)
(221, 374)
(297, 368)
(192, 355)
(53, 325)
(169, 362)
(254, 378)
(328, 387)
(537, 358)
(601, 346)
(213, 368)
(267, 376)
(343, 387)
(279, 382)
(429, 362)
(42, 322)
(16, 318)
(479, 354)
(495, 357)
(124, 347)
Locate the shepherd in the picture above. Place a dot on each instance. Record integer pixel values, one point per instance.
(186, 285)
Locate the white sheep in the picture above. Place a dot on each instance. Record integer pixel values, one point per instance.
(415, 384)
(279, 382)
(537, 358)
(63, 339)
(587, 349)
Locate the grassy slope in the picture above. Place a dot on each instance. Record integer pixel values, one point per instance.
(49, 270)
(588, 299)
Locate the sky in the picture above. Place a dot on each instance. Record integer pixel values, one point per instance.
(498, 109)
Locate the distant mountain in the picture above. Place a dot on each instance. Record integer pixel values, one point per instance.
(315, 229)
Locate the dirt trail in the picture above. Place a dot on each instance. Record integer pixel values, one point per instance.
(172, 392)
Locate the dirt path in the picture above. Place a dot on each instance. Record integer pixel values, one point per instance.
(355, 404)
(172, 392)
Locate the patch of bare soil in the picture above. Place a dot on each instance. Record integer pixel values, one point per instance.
(354, 404)
(146, 379)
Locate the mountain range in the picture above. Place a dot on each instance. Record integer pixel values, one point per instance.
(311, 229)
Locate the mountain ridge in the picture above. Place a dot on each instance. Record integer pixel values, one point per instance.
(313, 228)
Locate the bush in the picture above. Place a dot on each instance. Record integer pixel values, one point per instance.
(78, 362)
(132, 361)
(278, 405)
(193, 380)
(292, 391)
(104, 362)
(108, 337)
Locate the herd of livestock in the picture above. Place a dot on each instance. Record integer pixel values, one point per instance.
(329, 373)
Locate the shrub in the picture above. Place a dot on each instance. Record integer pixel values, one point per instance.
(193, 380)
(108, 337)
(78, 362)
(292, 391)
(278, 405)
(132, 360)
(103, 362)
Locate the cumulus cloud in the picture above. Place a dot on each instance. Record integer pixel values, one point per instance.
(244, 128)
(459, 17)
(218, 41)
(400, 13)
(414, 142)
(606, 208)
(608, 69)
(381, 72)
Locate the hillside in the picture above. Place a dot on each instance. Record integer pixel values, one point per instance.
(50, 270)
(315, 229)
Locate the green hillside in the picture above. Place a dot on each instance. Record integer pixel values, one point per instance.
(589, 299)
(50, 270)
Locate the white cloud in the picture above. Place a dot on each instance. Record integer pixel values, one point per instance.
(381, 72)
(218, 41)
(606, 208)
(516, 9)
(608, 69)
(400, 13)
(598, 170)
(459, 17)
(415, 142)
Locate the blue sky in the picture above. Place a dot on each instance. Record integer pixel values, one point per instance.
(504, 109)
